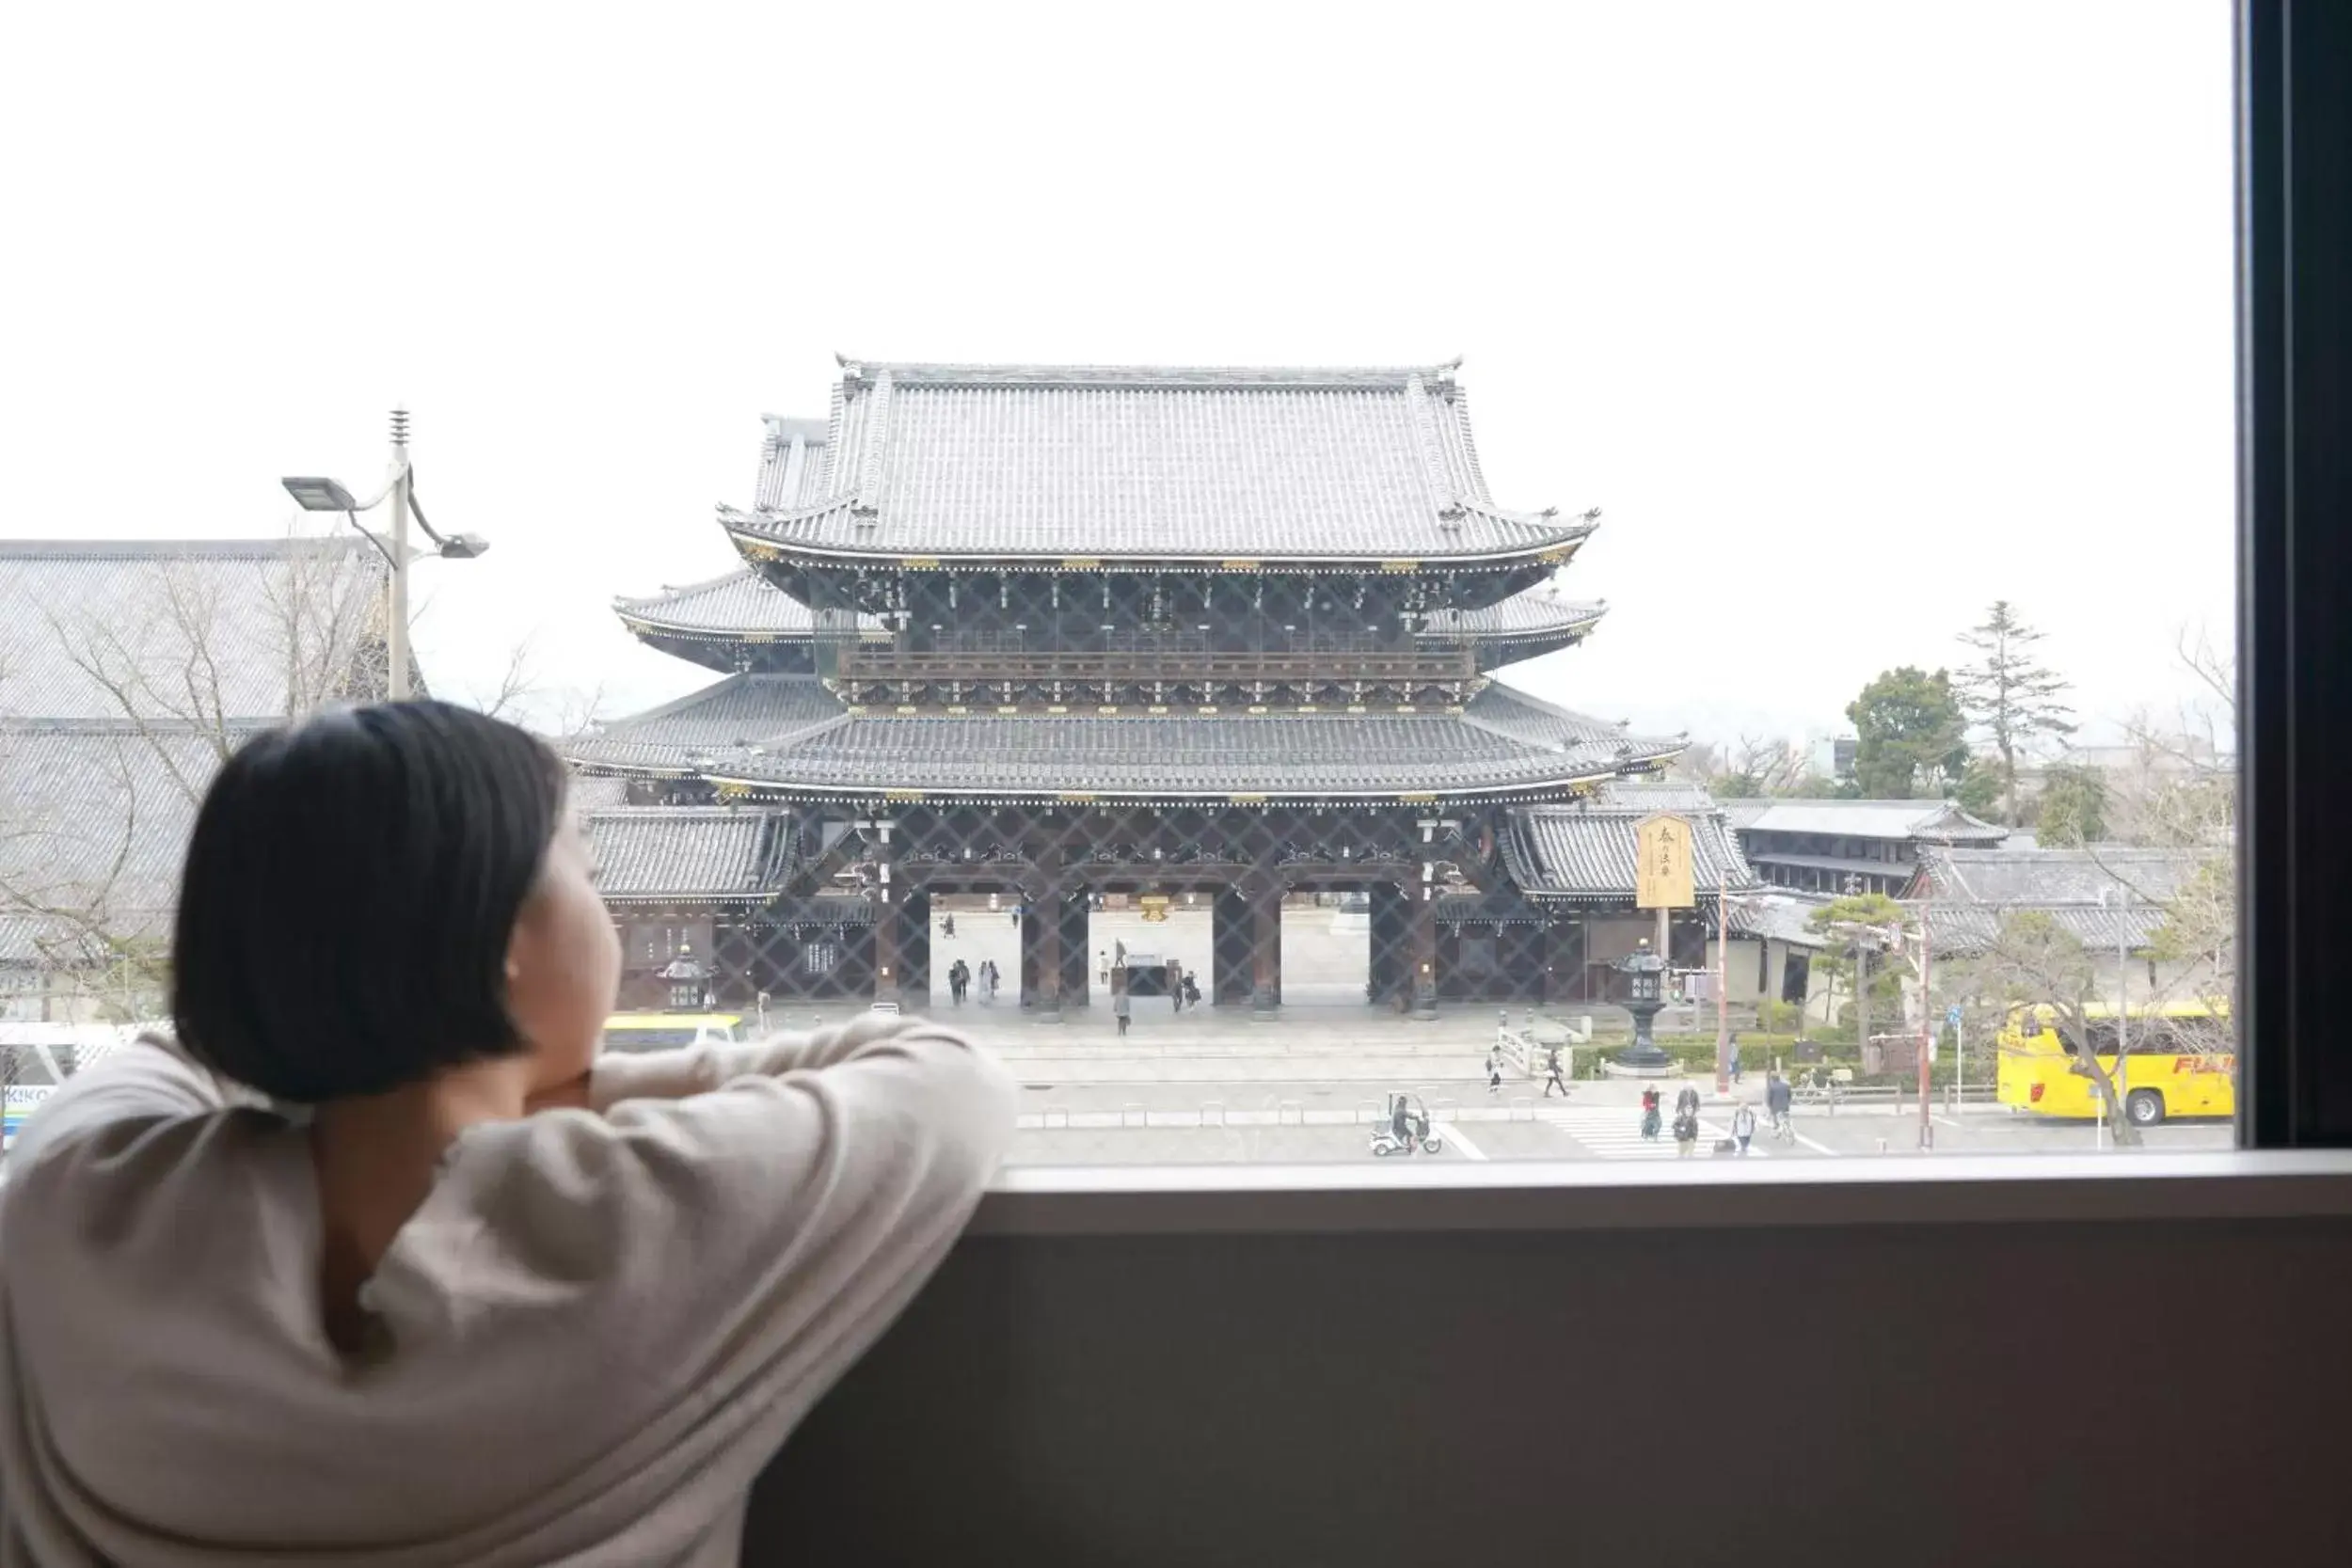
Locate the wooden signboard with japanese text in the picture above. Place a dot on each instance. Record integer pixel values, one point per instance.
(1663, 880)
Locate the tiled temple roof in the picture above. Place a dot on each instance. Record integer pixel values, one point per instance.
(741, 604)
(791, 733)
(1588, 849)
(2103, 895)
(1010, 461)
(1935, 821)
(664, 853)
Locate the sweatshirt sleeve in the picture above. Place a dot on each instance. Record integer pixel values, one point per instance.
(152, 1078)
(622, 1075)
(761, 1213)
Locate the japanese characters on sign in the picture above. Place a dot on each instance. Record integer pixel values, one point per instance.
(1663, 880)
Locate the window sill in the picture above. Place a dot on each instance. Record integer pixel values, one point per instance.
(1046, 1200)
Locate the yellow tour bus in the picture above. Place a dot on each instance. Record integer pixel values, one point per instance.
(2173, 1068)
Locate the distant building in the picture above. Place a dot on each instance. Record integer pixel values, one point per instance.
(1832, 756)
(1839, 846)
(2113, 898)
(128, 671)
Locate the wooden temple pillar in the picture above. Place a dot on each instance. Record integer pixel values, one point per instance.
(1564, 957)
(1040, 939)
(1389, 959)
(1421, 944)
(914, 946)
(1077, 962)
(1228, 947)
(885, 947)
(887, 895)
(1265, 951)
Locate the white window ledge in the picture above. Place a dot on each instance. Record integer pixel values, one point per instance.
(1053, 1200)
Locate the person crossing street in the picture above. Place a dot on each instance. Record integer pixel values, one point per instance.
(1551, 1075)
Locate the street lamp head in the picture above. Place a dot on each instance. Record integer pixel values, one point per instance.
(314, 494)
(463, 547)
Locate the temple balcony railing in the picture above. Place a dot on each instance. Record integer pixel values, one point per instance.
(1403, 667)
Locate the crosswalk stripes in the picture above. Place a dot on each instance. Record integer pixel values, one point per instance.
(1615, 1133)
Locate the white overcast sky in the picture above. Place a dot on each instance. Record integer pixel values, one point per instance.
(1850, 317)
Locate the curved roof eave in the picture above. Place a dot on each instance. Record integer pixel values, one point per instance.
(758, 537)
(1530, 792)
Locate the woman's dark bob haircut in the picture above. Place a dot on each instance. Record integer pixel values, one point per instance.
(349, 895)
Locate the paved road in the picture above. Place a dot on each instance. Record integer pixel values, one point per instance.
(1309, 1120)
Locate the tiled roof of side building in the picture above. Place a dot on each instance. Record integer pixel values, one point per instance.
(1011, 460)
(2103, 895)
(791, 734)
(1932, 821)
(1957, 931)
(108, 629)
(685, 852)
(1589, 848)
(97, 818)
(2112, 873)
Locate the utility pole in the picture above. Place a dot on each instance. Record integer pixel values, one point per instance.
(1723, 980)
(396, 636)
(1861, 972)
(1927, 1044)
(2123, 1004)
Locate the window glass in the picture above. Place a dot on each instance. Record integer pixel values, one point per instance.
(1792, 638)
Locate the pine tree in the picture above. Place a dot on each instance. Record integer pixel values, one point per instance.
(2007, 696)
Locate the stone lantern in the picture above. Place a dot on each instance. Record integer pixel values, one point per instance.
(688, 980)
(1646, 985)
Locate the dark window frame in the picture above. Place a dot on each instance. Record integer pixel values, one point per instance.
(2295, 643)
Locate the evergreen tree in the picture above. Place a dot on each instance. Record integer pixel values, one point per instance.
(1912, 733)
(2009, 696)
(2072, 810)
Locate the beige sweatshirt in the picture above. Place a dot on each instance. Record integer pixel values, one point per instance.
(596, 1330)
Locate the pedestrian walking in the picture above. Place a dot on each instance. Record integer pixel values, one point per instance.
(1649, 1114)
(1494, 1072)
(1743, 1125)
(1687, 1103)
(1686, 1135)
(1735, 1059)
(1119, 1012)
(1777, 1097)
(947, 926)
(1551, 1075)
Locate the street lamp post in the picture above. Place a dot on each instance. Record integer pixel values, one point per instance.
(314, 493)
(398, 642)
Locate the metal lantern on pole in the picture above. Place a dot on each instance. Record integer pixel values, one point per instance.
(315, 494)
